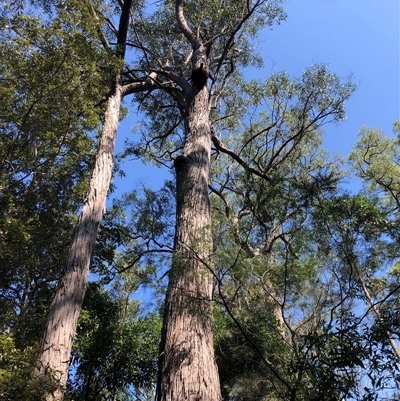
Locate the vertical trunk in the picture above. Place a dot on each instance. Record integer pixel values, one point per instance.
(62, 317)
(187, 368)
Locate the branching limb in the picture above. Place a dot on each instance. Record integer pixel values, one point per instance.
(147, 83)
(221, 148)
(183, 25)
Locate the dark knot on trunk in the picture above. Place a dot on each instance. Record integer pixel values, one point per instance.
(180, 164)
(199, 77)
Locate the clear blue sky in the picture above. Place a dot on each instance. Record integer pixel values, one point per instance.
(358, 37)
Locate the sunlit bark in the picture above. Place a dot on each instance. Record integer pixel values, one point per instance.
(62, 317)
(187, 365)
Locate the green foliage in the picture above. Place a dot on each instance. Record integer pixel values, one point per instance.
(51, 82)
(53, 77)
(115, 350)
(376, 160)
(268, 264)
(292, 253)
(15, 371)
(137, 235)
(353, 215)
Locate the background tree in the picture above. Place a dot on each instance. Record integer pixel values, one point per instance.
(315, 292)
(46, 152)
(61, 320)
(375, 160)
(269, 259)
(115, 352)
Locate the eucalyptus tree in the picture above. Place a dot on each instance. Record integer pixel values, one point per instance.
(375, 159)
(273, 320)
(56, 80)
(299, 267)
(50, 84)
(289, 111)
(184, 71)
(44, 146)
(180, 76)
(264, 252)
(61, 320)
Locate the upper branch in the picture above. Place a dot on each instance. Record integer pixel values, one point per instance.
(230, 41)
(140, 85)
(123, 28)
(220, 147)
(103, 38)
(183, 25)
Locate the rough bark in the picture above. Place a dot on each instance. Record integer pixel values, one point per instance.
(62, 317)
(187, 367)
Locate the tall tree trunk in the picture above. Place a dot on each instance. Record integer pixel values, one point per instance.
(187, 367)
(62, 317)
(61, 321)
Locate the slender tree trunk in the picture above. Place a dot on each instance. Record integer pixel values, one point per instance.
(187, 367)
(378, 315)
(61, 321)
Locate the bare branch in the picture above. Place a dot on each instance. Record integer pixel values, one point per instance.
(103, 38)
(146, 83)
(232, 36)
(220, 147)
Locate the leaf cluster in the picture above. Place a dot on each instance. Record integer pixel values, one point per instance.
(114, 350)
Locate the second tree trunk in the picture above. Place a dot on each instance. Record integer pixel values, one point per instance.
(187, 368)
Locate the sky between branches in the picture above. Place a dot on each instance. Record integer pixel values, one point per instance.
(354, 37)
